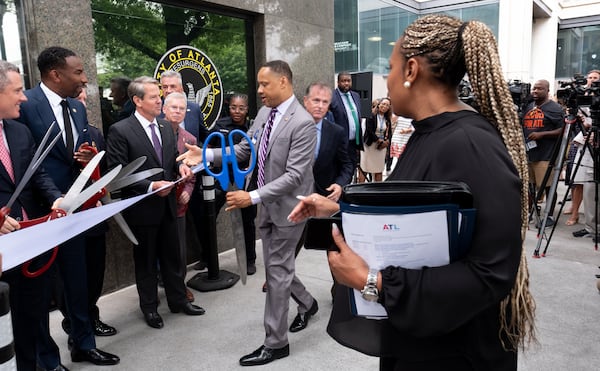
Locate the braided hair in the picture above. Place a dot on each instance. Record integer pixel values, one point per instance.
(453, 48)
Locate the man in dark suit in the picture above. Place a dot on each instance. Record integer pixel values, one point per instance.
(152, 220)
(193, 122)
(16, 152)
(53, 99)
(286, 139)
(332, 169)
(345, 107)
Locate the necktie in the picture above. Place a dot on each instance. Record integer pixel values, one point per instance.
(68, 129)
(318, 146)
(262, 151)
(5, 155)
(7, 162)
(354, 116)
(156, 142)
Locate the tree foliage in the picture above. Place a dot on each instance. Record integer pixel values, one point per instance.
(132, 35)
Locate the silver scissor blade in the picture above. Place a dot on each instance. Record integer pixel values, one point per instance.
(74, 203)
(123, 182)
(237, 230)
(82, 179)
(131, 167)
(35, 163)
(125, 228)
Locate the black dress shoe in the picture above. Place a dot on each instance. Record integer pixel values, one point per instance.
(102, 329)
(66, 325)
(154, 319)
(200, 266)
(264, 355)
(57, 368)
(95, 356)
(580, 233)
(189, 309)
(250, 268)
(301, 320)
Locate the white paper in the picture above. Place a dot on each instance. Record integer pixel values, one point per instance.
(406, 240)
(27, 243)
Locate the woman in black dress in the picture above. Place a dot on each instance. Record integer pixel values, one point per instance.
(473, 313)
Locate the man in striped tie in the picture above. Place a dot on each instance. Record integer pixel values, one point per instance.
(285, 140)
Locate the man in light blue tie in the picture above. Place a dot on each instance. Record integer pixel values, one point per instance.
(345, 108)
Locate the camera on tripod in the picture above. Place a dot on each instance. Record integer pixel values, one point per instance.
(576, 94)
(520, 93)
(465, 92)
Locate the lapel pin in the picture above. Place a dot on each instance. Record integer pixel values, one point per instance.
(74, 110)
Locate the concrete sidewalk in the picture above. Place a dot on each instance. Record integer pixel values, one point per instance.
(563, 283)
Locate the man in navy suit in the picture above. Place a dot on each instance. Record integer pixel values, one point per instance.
(193, 122)
(345, 107)
(53, 99)
(16, 143)
(332, 168)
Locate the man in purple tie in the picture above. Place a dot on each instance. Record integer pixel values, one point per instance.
(285, 145)
(152, 220)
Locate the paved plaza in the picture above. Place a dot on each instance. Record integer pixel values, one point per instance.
(563, 283)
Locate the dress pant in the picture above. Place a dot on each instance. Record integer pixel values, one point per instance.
(158, 242)
(27, 308)
(248, 217)
(279, 245)
(71, 265)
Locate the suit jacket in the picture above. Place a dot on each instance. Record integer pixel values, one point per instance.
(332, 164)
(40, 191)
(370, 136)
(340, 116)
(127, 141)
(289, 161)
(37, 114)
(194, 122)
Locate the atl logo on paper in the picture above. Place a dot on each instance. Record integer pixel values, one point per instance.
(390, 227)
(201, 80)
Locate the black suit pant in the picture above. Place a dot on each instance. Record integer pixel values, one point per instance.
(158, 242)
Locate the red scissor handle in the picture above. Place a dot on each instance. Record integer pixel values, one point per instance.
(95, 176)
(58, 213)
(4, 211)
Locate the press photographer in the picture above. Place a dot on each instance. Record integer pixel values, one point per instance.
(586, 100)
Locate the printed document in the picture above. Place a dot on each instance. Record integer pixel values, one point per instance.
(410, 241)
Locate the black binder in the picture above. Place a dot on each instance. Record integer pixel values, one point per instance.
(376, 337)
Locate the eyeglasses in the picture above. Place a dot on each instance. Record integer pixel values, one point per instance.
(177, 108)
(238, 108)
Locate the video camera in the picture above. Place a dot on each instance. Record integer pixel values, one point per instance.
(465, 92)
(520, 93)
(574, 94)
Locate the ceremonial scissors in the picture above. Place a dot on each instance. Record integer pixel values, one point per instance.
(73, 199)
(39, 156)
(230, 165)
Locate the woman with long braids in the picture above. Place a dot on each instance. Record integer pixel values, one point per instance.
(474, 313)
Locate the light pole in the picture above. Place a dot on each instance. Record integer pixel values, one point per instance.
(2, 11)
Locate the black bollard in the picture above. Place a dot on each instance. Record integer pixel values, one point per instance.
(7, 347)
(214, 279)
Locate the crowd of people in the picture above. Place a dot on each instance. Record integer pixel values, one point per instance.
(472, 313)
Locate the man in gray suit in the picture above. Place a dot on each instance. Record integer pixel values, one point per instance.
(286, 139)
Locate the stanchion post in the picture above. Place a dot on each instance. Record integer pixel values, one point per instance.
(7, 348)
(214, 279)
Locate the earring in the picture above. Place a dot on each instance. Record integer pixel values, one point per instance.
(407, 84)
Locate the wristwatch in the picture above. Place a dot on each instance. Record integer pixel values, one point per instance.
(370, 292)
